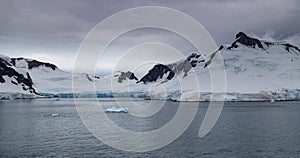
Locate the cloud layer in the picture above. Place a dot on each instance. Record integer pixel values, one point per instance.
(52, 30)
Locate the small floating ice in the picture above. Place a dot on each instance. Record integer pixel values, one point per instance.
(55, 115)
(116, 110)
(272, 101)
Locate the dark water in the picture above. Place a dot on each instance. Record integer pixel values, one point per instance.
(264, 129)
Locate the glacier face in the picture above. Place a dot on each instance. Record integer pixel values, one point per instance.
(255, 72)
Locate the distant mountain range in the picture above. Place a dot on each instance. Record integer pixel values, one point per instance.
(256, 70)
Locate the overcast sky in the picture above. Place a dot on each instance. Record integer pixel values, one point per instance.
(52, 30)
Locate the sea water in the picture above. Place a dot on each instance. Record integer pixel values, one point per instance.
(53, 128)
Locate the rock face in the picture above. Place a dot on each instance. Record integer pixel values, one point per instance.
(16, 71)
(212, 56)
(186, 65)
(158, 71)
(289, 47)
(17, 78)
(170, 70)
(126, 75)
(243, 39)
(33, 63)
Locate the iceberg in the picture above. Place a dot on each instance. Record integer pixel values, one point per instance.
(55, 115)
(116, 110)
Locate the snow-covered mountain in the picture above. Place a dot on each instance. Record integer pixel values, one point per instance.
(253, 66)
(29, 78)
(255, 69)
(14, 79)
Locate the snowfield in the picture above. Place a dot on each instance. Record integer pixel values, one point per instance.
(252, 74)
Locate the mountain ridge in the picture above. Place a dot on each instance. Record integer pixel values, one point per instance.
(253, 66)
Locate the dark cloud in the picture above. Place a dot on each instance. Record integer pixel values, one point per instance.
(30, 27)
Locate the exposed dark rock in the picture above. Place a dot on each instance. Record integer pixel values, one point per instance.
(242, 38)
(269, 44)
(7, 70)
(97, 77)
(288, 47)
(88, 77)
(186, 65)
(33, 63)
(126, 75)
(245, 40)
(212, 56)
(1, 79)
(157, 72)
(13, 82)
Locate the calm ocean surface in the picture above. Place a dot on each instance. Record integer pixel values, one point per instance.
(251, 129)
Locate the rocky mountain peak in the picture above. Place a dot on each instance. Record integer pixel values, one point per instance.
(243, 39)
(33, 63)
(16, 78)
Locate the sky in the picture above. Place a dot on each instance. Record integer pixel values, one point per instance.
(52, 30)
